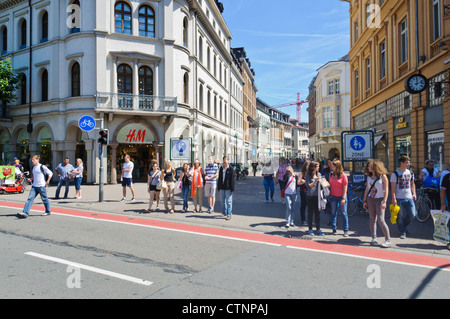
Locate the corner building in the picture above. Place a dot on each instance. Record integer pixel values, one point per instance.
(152, 70)
(392, 40)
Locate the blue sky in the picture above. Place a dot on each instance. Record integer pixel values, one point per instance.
(287, 41)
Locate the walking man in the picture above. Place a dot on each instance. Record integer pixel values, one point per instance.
(226, 184)
(41, 178)
(63, 170)
(403, 192)
(211, 172)
(127, 178)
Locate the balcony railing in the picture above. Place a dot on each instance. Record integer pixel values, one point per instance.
(129, 102)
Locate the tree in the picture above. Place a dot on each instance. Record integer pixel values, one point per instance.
(9, 83)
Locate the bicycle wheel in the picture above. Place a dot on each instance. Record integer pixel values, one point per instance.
(423, 210)
(352, 206)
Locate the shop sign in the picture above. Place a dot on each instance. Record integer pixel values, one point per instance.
(402, 123)
(135, 133)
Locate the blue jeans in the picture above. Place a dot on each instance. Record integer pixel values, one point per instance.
(227, 199)
(406, 214)
(336, 207)
(58, 188)
(185, 192)
(269, 185)
(290, 208)
(33, 193)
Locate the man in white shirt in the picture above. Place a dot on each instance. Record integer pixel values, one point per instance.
(127, 178)
(41, 178)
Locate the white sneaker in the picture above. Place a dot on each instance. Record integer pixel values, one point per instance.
(122, 200)
(386, 244)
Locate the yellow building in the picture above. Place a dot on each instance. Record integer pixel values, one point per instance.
(391, 41)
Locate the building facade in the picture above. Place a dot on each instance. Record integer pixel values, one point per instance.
(300, 139)
(151, 70)
(332, 107)
(390, 42)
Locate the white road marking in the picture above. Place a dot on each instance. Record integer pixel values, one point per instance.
(92, 269)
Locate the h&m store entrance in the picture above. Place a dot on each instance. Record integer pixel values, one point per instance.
(141, 143)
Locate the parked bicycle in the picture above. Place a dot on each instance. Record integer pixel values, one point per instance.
(424, 204)
(354, 202)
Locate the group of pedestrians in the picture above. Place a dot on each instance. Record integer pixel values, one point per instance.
(194, 183)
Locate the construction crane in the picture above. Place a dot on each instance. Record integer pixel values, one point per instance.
(299, 104)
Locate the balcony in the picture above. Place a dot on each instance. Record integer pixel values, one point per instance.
(137, 103)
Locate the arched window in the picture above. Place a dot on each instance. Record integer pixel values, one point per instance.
(44, 26)
(122, 14)
(75, 80)
(201, 98)
(124, 79)
(44, 86)
(200, 49)
(23, 34)
(146, 22)
(186, 88)
(185, 32)
(145, 81)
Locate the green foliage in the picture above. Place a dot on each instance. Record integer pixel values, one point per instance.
(9, 81)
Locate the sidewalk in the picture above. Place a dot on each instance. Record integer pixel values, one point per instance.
(250, 214)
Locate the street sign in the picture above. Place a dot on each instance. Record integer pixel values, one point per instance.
(87, 123)
(357, 145)
(181, 149)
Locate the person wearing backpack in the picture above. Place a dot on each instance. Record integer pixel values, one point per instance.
(431, 182)
(403, 191)
(41, 178)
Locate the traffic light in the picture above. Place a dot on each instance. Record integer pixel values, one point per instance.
(104, 137)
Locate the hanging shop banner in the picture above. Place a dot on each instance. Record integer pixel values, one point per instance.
(135, 133)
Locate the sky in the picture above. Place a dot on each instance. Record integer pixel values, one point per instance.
(286, 42)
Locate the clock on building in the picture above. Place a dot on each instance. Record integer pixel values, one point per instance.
(416, 84)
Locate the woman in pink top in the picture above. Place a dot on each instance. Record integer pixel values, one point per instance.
(338, 195)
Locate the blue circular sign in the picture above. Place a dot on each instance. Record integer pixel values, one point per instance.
(87, 123)
(358, 143)
(181, 146)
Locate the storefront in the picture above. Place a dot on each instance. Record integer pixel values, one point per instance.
(5, 157)
(402, 137)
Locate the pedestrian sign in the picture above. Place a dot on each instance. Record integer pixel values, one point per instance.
(357, 145)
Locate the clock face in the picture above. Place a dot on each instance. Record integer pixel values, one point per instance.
(416, 83)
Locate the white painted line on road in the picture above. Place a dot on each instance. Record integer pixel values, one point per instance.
(92, 269)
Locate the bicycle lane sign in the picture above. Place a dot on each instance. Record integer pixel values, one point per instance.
(87, 123)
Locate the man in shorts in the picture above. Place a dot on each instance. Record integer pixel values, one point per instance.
(127, 178)
(211, 173)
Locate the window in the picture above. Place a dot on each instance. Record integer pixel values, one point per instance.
(186, 88)
(200, 49)
(76, 87)
(201, 98)
(436, 11)
(44, 86)
(330, 87)
(146, 22)
(327, 117)
(123, 18)
(356, 31)
(337, 86)
(338, 116)
(145, 81)
(403, 41)
(209, 102)
(383, 59)
(23, 34)
(4, 40)
(368, 73)
(208, 58)
(356, 83)
(185, 32)
(44, 26)
(124, 79)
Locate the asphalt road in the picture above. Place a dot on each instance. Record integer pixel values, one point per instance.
(120, 259)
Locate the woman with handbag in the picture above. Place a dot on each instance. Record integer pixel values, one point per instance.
(375, 199)
(168, 176)
(197, 186)
(185, 185)
(154, 178)
(290, 192)
(312, 178)
(78, 172)
(338, 195)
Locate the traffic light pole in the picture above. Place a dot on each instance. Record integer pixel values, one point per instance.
(100, 184)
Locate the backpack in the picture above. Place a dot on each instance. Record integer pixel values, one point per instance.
(431, 182)
(43, 172)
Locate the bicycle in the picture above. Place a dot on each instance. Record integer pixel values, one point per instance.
(424, 204)
(354, 203)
